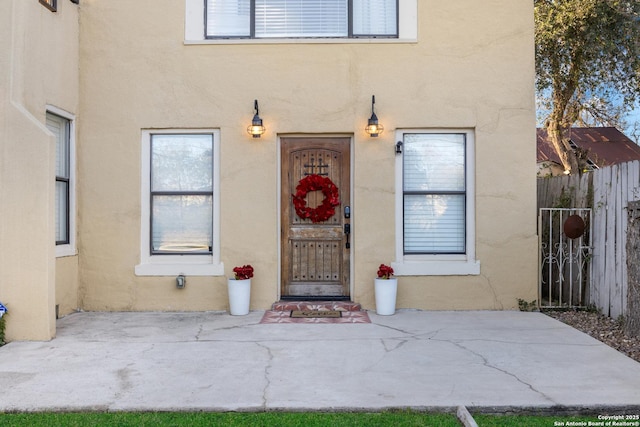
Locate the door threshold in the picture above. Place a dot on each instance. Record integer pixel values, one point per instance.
(314, 298)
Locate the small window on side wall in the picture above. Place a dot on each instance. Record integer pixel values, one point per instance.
(61, 128)
(52, 5)
(61, 124)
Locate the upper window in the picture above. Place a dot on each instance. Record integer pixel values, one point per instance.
(62, 129)
(180, 231)
(300, 19)
(435, 204)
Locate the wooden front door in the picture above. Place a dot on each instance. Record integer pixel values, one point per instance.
(315, 255)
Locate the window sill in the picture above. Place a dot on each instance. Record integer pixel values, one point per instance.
(154, 267)
(65, 251)
(437, 267)
(300, 41)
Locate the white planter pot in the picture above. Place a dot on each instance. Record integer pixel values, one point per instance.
(386, 291)
(239, 296)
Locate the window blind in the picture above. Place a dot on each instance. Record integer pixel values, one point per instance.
(182, 224)
(228, 18)
(434, 162)
(301, 18)
(60, 128)
(375, 17)
(434, 224)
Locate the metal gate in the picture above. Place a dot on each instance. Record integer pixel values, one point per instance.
(564, 242)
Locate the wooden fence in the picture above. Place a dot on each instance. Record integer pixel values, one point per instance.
(566, 191)
(607, 191)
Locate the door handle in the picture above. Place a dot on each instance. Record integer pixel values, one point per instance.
(347, 232)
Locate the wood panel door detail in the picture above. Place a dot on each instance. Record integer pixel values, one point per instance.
(315, 256)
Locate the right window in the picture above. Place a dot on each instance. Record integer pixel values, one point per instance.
(435, 209)
(434, 193)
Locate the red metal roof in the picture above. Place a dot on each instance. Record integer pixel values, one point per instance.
(605, 145)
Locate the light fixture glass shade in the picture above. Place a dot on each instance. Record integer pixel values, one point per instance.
(256, 129)
(374, 128)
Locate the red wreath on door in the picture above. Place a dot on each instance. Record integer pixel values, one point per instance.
(326, 209)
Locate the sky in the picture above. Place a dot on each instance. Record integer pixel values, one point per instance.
(632, 118)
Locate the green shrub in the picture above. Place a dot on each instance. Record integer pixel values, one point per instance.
(2, 326)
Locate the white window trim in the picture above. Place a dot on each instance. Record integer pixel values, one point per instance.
(438, 265)
(194, 29)
(170, 265)
(69, 249)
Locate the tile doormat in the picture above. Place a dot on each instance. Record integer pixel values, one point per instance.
(299, 316)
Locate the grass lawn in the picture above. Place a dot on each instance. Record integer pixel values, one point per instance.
(532, 421)
(280, 419)
(239, 419)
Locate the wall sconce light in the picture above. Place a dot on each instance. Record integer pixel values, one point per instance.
(374, 128)
(256, 129)
(399, 147)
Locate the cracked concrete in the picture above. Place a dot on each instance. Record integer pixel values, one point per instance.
(413, 359)
(486, 363)
(267, 376)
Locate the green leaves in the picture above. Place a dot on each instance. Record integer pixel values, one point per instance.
(588, 44)
(587, 60)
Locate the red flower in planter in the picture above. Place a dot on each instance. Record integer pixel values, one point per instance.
(385, 271)
(244, 272)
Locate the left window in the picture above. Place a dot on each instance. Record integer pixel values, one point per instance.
(181, 194)
(180, 203)
(60, 124)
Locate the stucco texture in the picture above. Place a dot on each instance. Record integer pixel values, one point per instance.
(38, 67)
(471, 68)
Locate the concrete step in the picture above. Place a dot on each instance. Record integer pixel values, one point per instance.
(315, 305)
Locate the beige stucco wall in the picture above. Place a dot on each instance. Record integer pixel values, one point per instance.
(38, 67)
(67, 286)
(472, 67)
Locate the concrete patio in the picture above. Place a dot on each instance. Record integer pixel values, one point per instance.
(211, 361)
